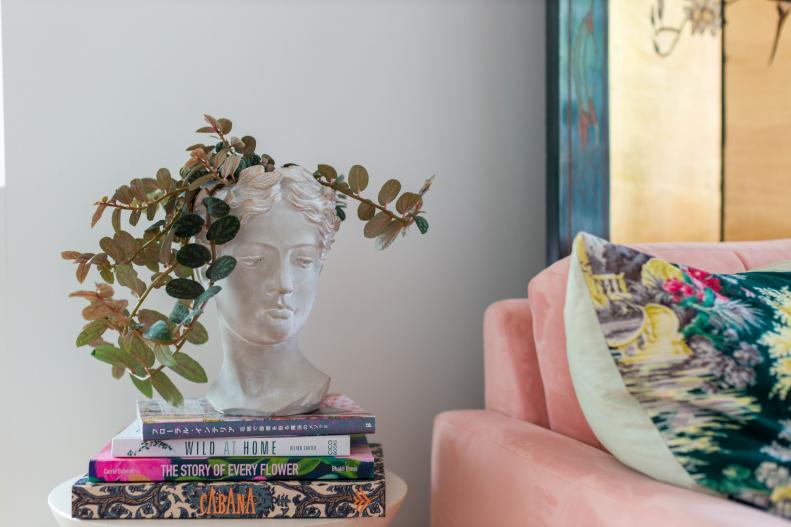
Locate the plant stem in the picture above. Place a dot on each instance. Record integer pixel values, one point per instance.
(184, 335)
(183, 338)
(402, 220)
(144, 206)
(146, 244)
(179, 344)
(211, 243)
(149, 289)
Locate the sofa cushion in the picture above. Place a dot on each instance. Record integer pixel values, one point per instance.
(512, 379)
(491, 470)
(684, 374)
(547, 293)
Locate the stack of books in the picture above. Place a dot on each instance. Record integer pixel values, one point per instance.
(194, 462)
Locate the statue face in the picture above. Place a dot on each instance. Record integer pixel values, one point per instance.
(268, 297)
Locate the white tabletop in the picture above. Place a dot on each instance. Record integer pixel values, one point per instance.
(60, 504)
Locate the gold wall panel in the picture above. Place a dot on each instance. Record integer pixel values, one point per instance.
(665, 123)
(757, 156)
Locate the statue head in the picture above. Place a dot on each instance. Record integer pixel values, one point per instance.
(288, 225)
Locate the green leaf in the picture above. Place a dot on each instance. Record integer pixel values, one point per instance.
(155, 226)
(216, 207)
(165, 248)
(206, 296)
(125, 241)
(195, 313)
(117, 220)
(223, 230)
(106, 272)
(193, 255)
(407, 201)
(110, 246)
(163, 178)
(124, 195)
(328, 172)
(389, 191)
(365, 211)
(422, 224)
(182, 271)
(159, 331)
(127, 277)
(179, 313)
(133, 343)
(388, 236)
(184, 288)
(113, 355)
(198, 334)
(340, 212)
(139, 190)
(358, 178)
(165, 387)
(224, 125)
(164, 355)
(188, 225)
(241, 166)
(376, 225)
(91, 332)
(189, 368)
(148, 316)
(249, 145)
(144, 385)
(221, 268)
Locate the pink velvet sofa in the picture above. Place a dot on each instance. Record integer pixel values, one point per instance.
(530, 457)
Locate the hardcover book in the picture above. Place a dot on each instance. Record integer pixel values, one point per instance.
(359, 465)
(337, 415)
(130, 443)
(248, 499)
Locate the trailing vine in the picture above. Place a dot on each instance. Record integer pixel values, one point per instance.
(147, 345)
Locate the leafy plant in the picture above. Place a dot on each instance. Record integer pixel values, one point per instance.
(147, 345)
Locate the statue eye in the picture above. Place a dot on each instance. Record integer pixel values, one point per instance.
(304, 261)
(250, 261)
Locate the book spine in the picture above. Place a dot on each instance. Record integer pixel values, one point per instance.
(246, 447)
(298, 499)
(136, 469)
(265, 426)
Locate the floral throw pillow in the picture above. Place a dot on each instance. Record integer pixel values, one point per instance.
(707, 357)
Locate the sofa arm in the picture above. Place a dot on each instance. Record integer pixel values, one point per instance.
(512, 380)
(489, 469)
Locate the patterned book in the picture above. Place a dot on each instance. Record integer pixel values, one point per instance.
(248, 499)
(358, 465)
(130, 443)
(338, 415)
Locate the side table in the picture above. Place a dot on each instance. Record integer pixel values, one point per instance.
(59, 501)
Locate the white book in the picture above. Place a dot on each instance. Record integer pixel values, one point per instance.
(130, 443)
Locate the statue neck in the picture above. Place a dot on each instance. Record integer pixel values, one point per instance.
(238, 350)
(265, 378)
(259, 368)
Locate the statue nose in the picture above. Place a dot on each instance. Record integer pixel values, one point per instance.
(284, 290)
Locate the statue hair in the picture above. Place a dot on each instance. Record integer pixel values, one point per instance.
(256, 192)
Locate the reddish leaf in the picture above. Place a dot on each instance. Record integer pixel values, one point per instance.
(97, 215)
(82, 271)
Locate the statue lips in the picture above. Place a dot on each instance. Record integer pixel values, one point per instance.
(280, 312)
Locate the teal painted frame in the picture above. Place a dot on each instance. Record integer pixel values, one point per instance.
(578, 156)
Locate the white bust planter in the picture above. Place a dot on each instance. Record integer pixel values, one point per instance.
(289, 223)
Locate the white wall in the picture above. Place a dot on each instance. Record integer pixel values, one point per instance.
(98, 92)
